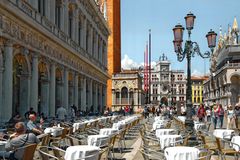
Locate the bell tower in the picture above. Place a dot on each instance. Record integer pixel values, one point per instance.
(114, 42)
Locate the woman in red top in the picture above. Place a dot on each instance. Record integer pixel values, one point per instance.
(220, 115)
(201, 113)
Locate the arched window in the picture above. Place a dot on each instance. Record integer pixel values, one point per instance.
(58, 13)
(70, 23)
(79, 30)
(41, 7)
(124, 95)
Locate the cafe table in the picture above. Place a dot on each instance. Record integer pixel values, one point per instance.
(223, 133)
(169, 140)
(159, 124)
(81, 152)
(98, 140)
(160, 132)
(108, 131)
(54, 131)
(199, 126)
(181, 153)
(236, 141)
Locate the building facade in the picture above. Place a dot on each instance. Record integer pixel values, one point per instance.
(127, 89)
(223, 85)
(53, 53)
(197, 89)
(167, 86)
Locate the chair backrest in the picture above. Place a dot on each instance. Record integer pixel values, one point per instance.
(45, 139)
(205, 154)
(29, 151)
(57, 151)
(64, 133)
(149, 154)
(45, 155)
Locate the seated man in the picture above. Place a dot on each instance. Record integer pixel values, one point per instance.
(32, 127)
(17, 140)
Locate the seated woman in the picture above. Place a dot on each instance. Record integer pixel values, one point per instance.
(17, 140)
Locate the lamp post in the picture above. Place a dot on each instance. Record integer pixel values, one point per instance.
(190, 49)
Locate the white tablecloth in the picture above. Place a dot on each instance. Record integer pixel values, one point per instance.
(107, 131)
(223, 133)
(160, 132)
(159, 124)
(199, 126)
(55, 131)
(78, 125)
(76, 152)
(2, 145)
(169, 140)
(181, 153)
(236, 139)
(158, 118)
(182, 118)
(98, 140)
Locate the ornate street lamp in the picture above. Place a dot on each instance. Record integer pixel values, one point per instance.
(190, 49)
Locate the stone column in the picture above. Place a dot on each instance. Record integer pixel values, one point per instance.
(76, 89)
(100, 51)
(52, 91)
(120, 98)
(100, 98)
(128, 97)
(52, 11)
(84, 34)
(83, 94)
(34, 4)
(62, 18)
(76, 31)
(1, 83)
(135, 99)
(44, 101)
(113, 97)
(7, 82)
(34, 82)
(90, 89)
(96, 46)
(104, 95)
(65, 88)
(90, 42)
(96, 96)
(66, 16)
(47, 8)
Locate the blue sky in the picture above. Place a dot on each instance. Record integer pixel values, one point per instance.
(137, 16)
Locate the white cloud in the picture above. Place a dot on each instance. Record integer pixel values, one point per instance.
(128, 63)
(196, 73)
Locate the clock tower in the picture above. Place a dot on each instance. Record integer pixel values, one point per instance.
(165, 79)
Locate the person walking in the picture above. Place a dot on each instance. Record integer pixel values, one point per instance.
(214, 116)
(201, 113)
(220, 115)
(208, 114)
(230, 117)
(153, 111)
(237, 114)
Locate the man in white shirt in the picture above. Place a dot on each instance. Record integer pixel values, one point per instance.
(183, 110)
(61, 113)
